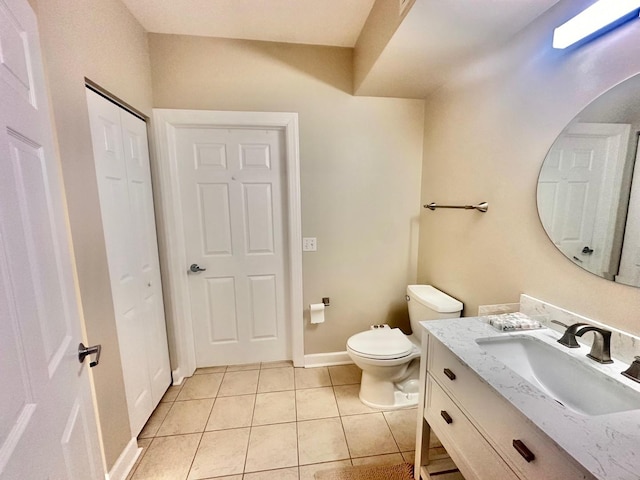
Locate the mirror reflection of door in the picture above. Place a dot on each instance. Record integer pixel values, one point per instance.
(629, 272)
(576, 193)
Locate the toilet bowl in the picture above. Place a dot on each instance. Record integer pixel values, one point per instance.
(389, 359)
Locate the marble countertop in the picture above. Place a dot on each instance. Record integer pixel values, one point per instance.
(608, 445)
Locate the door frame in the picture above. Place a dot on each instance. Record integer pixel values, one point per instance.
(165, 122)
(631, 241)
(617, 135)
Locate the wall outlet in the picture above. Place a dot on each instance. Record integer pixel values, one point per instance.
(309, 244)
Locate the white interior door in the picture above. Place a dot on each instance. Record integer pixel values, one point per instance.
(47, 422)
(575, 192)
(629, 272)
(124, 182)
(232, 200)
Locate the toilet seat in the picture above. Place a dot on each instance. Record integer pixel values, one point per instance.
(381, 344)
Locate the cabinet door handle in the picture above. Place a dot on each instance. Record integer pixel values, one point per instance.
(450, 374)
(523, 450)
(446, 416)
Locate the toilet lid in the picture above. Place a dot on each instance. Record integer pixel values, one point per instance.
(383, 343)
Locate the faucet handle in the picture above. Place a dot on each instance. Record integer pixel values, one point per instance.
(573, 327)
(633, 372)
(568, 339)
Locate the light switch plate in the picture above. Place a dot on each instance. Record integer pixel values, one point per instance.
(309, 244)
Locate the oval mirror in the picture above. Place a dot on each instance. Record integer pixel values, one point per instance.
(588, 190)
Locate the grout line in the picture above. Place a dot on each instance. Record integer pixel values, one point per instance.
(253, 413)
(258, 382)
(215, 397)
(194, 455)
(343, 431)
(297, 438)
(251, 427)
(163, 420)
(330, 377)
(333, 387)
(391, 432)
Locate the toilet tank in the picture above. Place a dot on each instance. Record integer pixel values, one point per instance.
(428, 303)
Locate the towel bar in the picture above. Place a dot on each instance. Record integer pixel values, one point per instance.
(481, 207)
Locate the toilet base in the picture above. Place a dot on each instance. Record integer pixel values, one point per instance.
(380, 392)
(401, 400)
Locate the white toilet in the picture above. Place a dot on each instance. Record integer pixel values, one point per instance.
(389, 359)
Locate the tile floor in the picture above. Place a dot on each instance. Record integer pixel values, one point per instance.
(269, 421)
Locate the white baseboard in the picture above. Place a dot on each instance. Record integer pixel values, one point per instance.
(178, 376)
(326, 359)
(125, 462)
(310, 361)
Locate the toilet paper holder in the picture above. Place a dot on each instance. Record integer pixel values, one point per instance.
(316, 311)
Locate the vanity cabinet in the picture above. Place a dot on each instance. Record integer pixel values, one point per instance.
(486, 436)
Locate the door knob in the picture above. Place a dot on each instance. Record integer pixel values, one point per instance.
(84, 352)
(587, 251)
(195, 268)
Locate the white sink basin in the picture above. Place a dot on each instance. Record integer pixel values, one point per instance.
(568, 381)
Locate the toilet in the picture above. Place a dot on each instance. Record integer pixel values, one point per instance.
(389, 359)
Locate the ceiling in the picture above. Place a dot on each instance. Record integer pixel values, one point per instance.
(439, 36)
(435, 38)
(317, 22)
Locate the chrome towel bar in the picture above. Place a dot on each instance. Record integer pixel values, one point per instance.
(481, 207)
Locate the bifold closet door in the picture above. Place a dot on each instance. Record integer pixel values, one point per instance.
(121, 155)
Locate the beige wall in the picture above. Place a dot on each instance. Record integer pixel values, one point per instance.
(381, 24)
(99, 40)
(360, 166)
(485, 139)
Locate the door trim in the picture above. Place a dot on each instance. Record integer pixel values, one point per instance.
(165, 122)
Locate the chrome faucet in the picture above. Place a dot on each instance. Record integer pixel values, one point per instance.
(601, 347)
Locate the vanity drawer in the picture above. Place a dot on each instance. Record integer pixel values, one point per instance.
(473, 455)
(500, 422)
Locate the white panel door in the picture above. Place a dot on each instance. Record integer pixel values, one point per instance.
(232, 201)
(47, 422)
(570, 184)
(574, 200)
(147, 263)
(629, 272)
(124, 183)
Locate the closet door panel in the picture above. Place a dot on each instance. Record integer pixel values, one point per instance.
(124, 183)
(136, 154)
